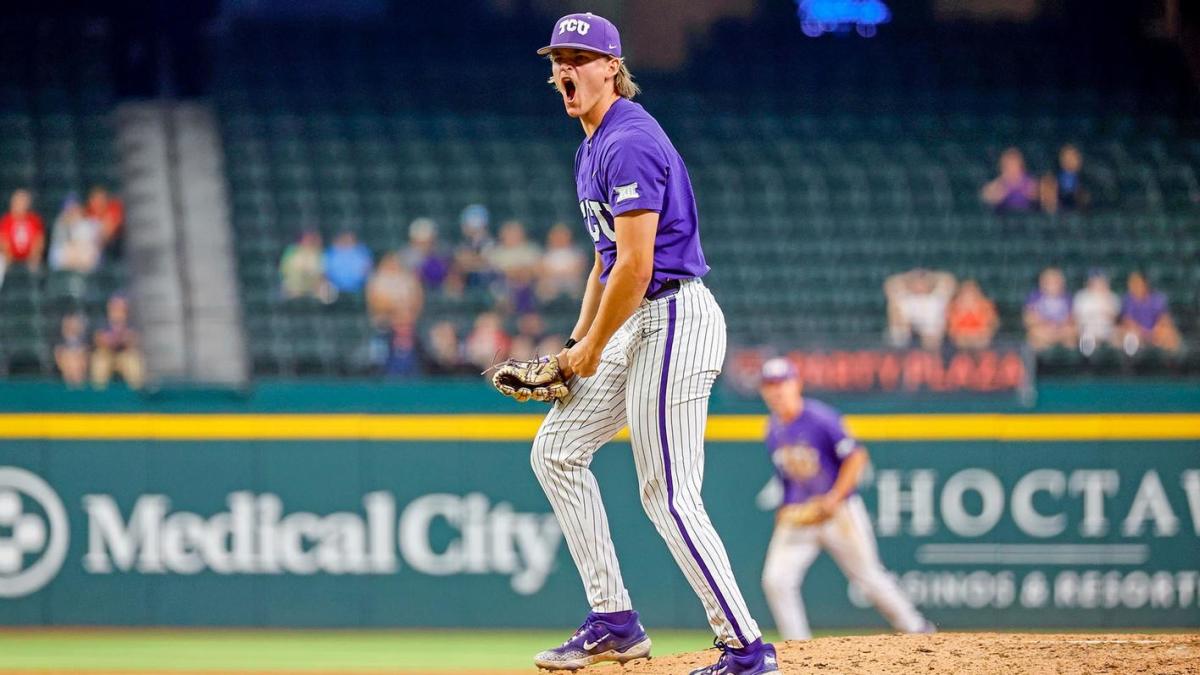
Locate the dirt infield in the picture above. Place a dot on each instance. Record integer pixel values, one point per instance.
(965, 653)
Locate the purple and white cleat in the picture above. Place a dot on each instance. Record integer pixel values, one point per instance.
(602, 637)
(754, 659)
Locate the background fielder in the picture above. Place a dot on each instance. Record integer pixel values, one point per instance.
(650, 343)
(819, 466)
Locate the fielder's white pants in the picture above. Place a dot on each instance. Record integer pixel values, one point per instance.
(655, 375)
(850, 540)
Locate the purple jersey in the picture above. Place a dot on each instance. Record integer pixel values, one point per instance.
(629, 164)
(1146, 311)
(808, 451)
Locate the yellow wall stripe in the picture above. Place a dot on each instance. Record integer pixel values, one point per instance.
(1002, 427)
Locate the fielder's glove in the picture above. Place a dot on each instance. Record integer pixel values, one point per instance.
(539, 379)
(811, 512)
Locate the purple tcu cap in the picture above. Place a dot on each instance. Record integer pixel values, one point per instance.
(778, 370)
(585, 31)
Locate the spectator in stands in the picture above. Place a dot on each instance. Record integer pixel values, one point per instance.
(117, 347)
(1096, 309)
(71, 353)
(424, 256)
(1146, 317)
(564, 267)
(109, 212)
(470, 258)
(917, 302)
(1065, 189)
(76, 239)
(400, 352)
(22, 234)
(302, 269)
(487, 343)
(516, 259)
(1048, 319)
(1013, 191)
(347, 263)
(444, 355)
(392, 288)
(971, 318)
(530, 332)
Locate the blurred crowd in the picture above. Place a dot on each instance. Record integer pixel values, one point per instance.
(1016, 190)
(516, 276)
(930, 307)
(83, 234)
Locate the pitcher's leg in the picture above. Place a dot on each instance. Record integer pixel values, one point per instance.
(670, 378)
(562, 452)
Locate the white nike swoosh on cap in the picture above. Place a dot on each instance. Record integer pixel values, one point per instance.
(612, 46)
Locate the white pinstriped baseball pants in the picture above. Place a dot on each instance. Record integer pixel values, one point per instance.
(850, 540)
(655, 374)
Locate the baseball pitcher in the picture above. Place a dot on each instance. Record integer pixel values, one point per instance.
(819, 466)
(648, 345)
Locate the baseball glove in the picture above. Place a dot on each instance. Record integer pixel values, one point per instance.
(811, 512)
(539, 379)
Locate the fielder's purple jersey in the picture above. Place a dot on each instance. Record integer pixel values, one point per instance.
(629, 164)
(808, 451)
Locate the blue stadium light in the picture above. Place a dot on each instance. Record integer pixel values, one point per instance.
(818, 17)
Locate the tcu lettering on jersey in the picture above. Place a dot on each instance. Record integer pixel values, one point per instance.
(574, 26)
(598, 218)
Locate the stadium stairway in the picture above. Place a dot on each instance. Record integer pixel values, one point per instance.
(183, 292)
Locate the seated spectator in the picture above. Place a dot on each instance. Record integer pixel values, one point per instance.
(393, 288)
(917, 302)
(564, 267)
(423, 255)
(487, 343)
(515, 253)
(109, 212)
(347, 263)
(1065, 189)
(470, 257)
(71, 353)
(1048, 319)
(22, 234)
(75, 241)
(302, 269)
(400, 355)
(1096, 309)
(444, 355)
(530, 332)
(117, 346)
(1146, 317)
(1013, 191)
(971, 318)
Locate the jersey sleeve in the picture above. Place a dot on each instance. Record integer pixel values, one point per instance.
(635, 175)
(843, 443)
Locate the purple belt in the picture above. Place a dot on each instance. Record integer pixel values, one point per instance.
(668, 288)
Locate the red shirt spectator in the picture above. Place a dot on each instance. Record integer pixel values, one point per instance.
(106, 209)
(22, 235)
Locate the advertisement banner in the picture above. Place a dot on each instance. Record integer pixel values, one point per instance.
(458, 533)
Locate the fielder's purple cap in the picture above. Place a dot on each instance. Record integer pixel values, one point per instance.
(778, 370)
(585, 31)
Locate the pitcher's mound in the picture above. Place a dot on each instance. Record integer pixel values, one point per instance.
(961, 653)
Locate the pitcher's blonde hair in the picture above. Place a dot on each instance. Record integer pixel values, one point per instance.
(622, 82)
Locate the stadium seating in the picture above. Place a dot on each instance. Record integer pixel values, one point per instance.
(818, 173)
(56, 138)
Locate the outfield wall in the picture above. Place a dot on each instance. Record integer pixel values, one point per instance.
(1073, 515)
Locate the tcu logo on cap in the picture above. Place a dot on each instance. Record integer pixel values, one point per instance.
(574, 26)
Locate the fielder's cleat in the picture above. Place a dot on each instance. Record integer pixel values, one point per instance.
(596, 641)
(756, 658)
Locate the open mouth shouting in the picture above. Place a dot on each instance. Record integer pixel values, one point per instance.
(568, 89)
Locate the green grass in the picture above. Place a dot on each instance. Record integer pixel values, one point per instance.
(415, 651)
(264, 650)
